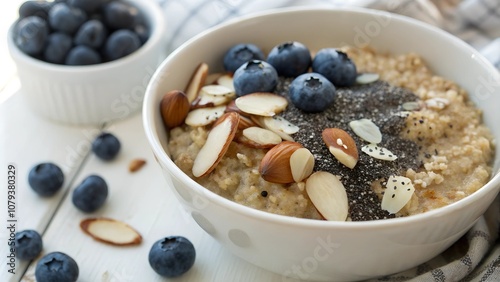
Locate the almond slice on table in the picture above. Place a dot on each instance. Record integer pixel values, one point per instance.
(174, 108)
(378, 152)
(342, 146)
(204, 116)
(366, 130)
(196, 82)
(397, 194)
(218, 141)
(261, 104)
(226, 80)
(275, 165)
(328, 195)
(136, 164)
(301, 164)
(261, 136)
(111, 231)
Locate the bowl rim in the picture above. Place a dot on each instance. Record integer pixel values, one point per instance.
(156, 20)
(150, 111)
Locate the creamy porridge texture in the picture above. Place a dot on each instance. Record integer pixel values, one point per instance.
(426, 121)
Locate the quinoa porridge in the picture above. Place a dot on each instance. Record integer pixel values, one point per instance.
(428, 122)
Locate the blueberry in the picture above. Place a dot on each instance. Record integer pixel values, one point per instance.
(30, 35)
(58, 267)
(66, 19)
(58, 46)
(91, 194)
(89, 6)
(82, 55)
(28, 244)
(92, 34)
(240, 54)
(290, 59)
(118, 15)
(143, 32)
(336, 66)
(172, 256)
(35, 8)
(120, 44)
(312, 92)
(46, 179)
(106, 146)
(255, 76)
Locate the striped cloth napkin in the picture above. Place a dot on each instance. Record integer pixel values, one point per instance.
(476, 256)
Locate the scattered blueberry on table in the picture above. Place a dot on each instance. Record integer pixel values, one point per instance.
(28, 244)
(58, 267)
(91, 194)
(172, 256)
(106, 146)
(46, 179)
(98, 30)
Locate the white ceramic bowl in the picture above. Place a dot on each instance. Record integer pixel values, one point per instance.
(94, 94)
(322, 250)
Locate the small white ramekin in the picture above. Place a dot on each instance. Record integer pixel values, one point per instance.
(94, 94)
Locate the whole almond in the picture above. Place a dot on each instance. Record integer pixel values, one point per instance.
(275, 166)
(174, 107)
(342, 146)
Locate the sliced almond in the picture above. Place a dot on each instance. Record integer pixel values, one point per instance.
(301, 164)
(245, 123)
(174, 108)
(366, 78)
(204, 116)
(275, 166)
(261, 104)
(111, 231)
(328, 195)
(262, 136)
(378, 152)
(218, 141)
(275, 125)
(226, 80)
(397, 194)
(342, 146)
(366, 130)
(212, 78)
(231, 107)
(437, 103)
(136, 164)
(205, 100)
(217, 90)
(196, 82)
(252, 144)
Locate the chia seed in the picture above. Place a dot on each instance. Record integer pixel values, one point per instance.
(378, 101)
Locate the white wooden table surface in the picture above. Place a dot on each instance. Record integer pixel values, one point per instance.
(142, 199)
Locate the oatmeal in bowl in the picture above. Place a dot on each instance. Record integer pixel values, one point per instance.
(395, 147)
